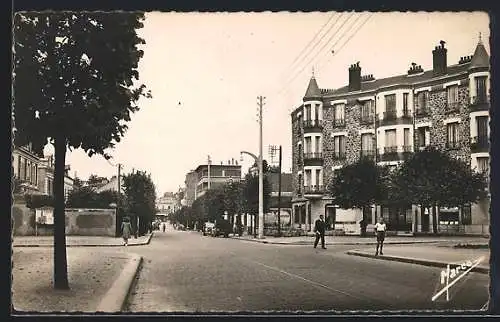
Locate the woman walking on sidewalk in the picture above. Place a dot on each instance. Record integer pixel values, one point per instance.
(380, 229)
(126, 229)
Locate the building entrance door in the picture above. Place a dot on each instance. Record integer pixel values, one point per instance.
(330, 216)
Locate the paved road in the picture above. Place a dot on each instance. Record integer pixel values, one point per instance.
(184, 271)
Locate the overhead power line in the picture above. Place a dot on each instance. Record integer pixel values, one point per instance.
(309, 62)
(313, 39)
(348, 39)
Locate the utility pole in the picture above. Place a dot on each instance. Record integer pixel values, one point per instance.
(375, 119)
(119, 191)
(261, 171)
(209, 162)
(279, 196)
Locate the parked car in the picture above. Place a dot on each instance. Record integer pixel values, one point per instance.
(208, 228)
(222, 228)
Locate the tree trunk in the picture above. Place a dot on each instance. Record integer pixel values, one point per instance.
(434, 220)
(60, 260)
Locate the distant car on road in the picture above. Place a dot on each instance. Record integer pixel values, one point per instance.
(208, 228)
(222, 228)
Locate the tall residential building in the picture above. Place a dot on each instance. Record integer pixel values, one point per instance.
(190, 185)
(216, 175)
(387, 119)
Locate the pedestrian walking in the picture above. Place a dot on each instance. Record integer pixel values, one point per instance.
(126, 230)
(163, 227)
(380, 229)
(319, 229)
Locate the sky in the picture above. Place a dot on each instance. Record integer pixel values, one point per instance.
(205, 71)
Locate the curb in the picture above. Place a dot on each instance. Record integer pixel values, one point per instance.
(116, 297)
(339, 243)
(418, 261)
(90, 245)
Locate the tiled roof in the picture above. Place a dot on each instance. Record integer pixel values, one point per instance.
(480, 58)
(313, 90)
(397, 80)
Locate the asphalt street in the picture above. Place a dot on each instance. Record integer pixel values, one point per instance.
(187, 272)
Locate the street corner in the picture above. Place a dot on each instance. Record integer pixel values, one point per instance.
(117, 296)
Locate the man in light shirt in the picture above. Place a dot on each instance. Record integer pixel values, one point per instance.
(380, 229)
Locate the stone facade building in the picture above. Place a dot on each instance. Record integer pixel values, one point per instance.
(388, 119)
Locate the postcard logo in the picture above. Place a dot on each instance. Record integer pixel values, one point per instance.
(450, 276)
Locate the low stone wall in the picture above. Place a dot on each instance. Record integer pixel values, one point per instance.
(79, 222)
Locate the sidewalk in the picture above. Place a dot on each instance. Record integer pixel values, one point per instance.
(356, 240)
(430, 256)
(79, 241)
(99, 280)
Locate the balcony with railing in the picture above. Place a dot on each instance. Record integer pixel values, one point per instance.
(312, 126)
(407, 148)
(451, 107)
(339, 155)
(453, 145)
(314, 190)
(390, 154)
(367, 153)
(480, 103)
(366, 119)
(422, 111)
(479, 144)
(313, 158)
(339, 122)
(389, 116)
(407, 114)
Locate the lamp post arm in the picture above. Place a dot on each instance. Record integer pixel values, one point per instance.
(252, 155)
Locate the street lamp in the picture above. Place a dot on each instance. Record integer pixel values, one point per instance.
(261, 190)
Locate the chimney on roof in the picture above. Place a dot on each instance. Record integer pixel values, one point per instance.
(354, 77)
(439, 62)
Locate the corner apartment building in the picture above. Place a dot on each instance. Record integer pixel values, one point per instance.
(210, 176)
(388, 119)
(36, 172)
(26, 164)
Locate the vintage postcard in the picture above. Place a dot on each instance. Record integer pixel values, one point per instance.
(251, 162)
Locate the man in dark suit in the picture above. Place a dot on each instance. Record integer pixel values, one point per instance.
(319, 229)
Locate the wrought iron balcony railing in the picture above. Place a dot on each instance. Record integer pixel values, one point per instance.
(390, 149)
(312, 123)
(313, 189)
(339, 122)
(313, 155)
(368, 153)
(422, 110)
(480, 143)
(389, 115)
(480, 103)
(480, 99)
(407, 148)
(366, 118)
(451, 107)
(339, 155)
(407, 114)
(453, 144)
